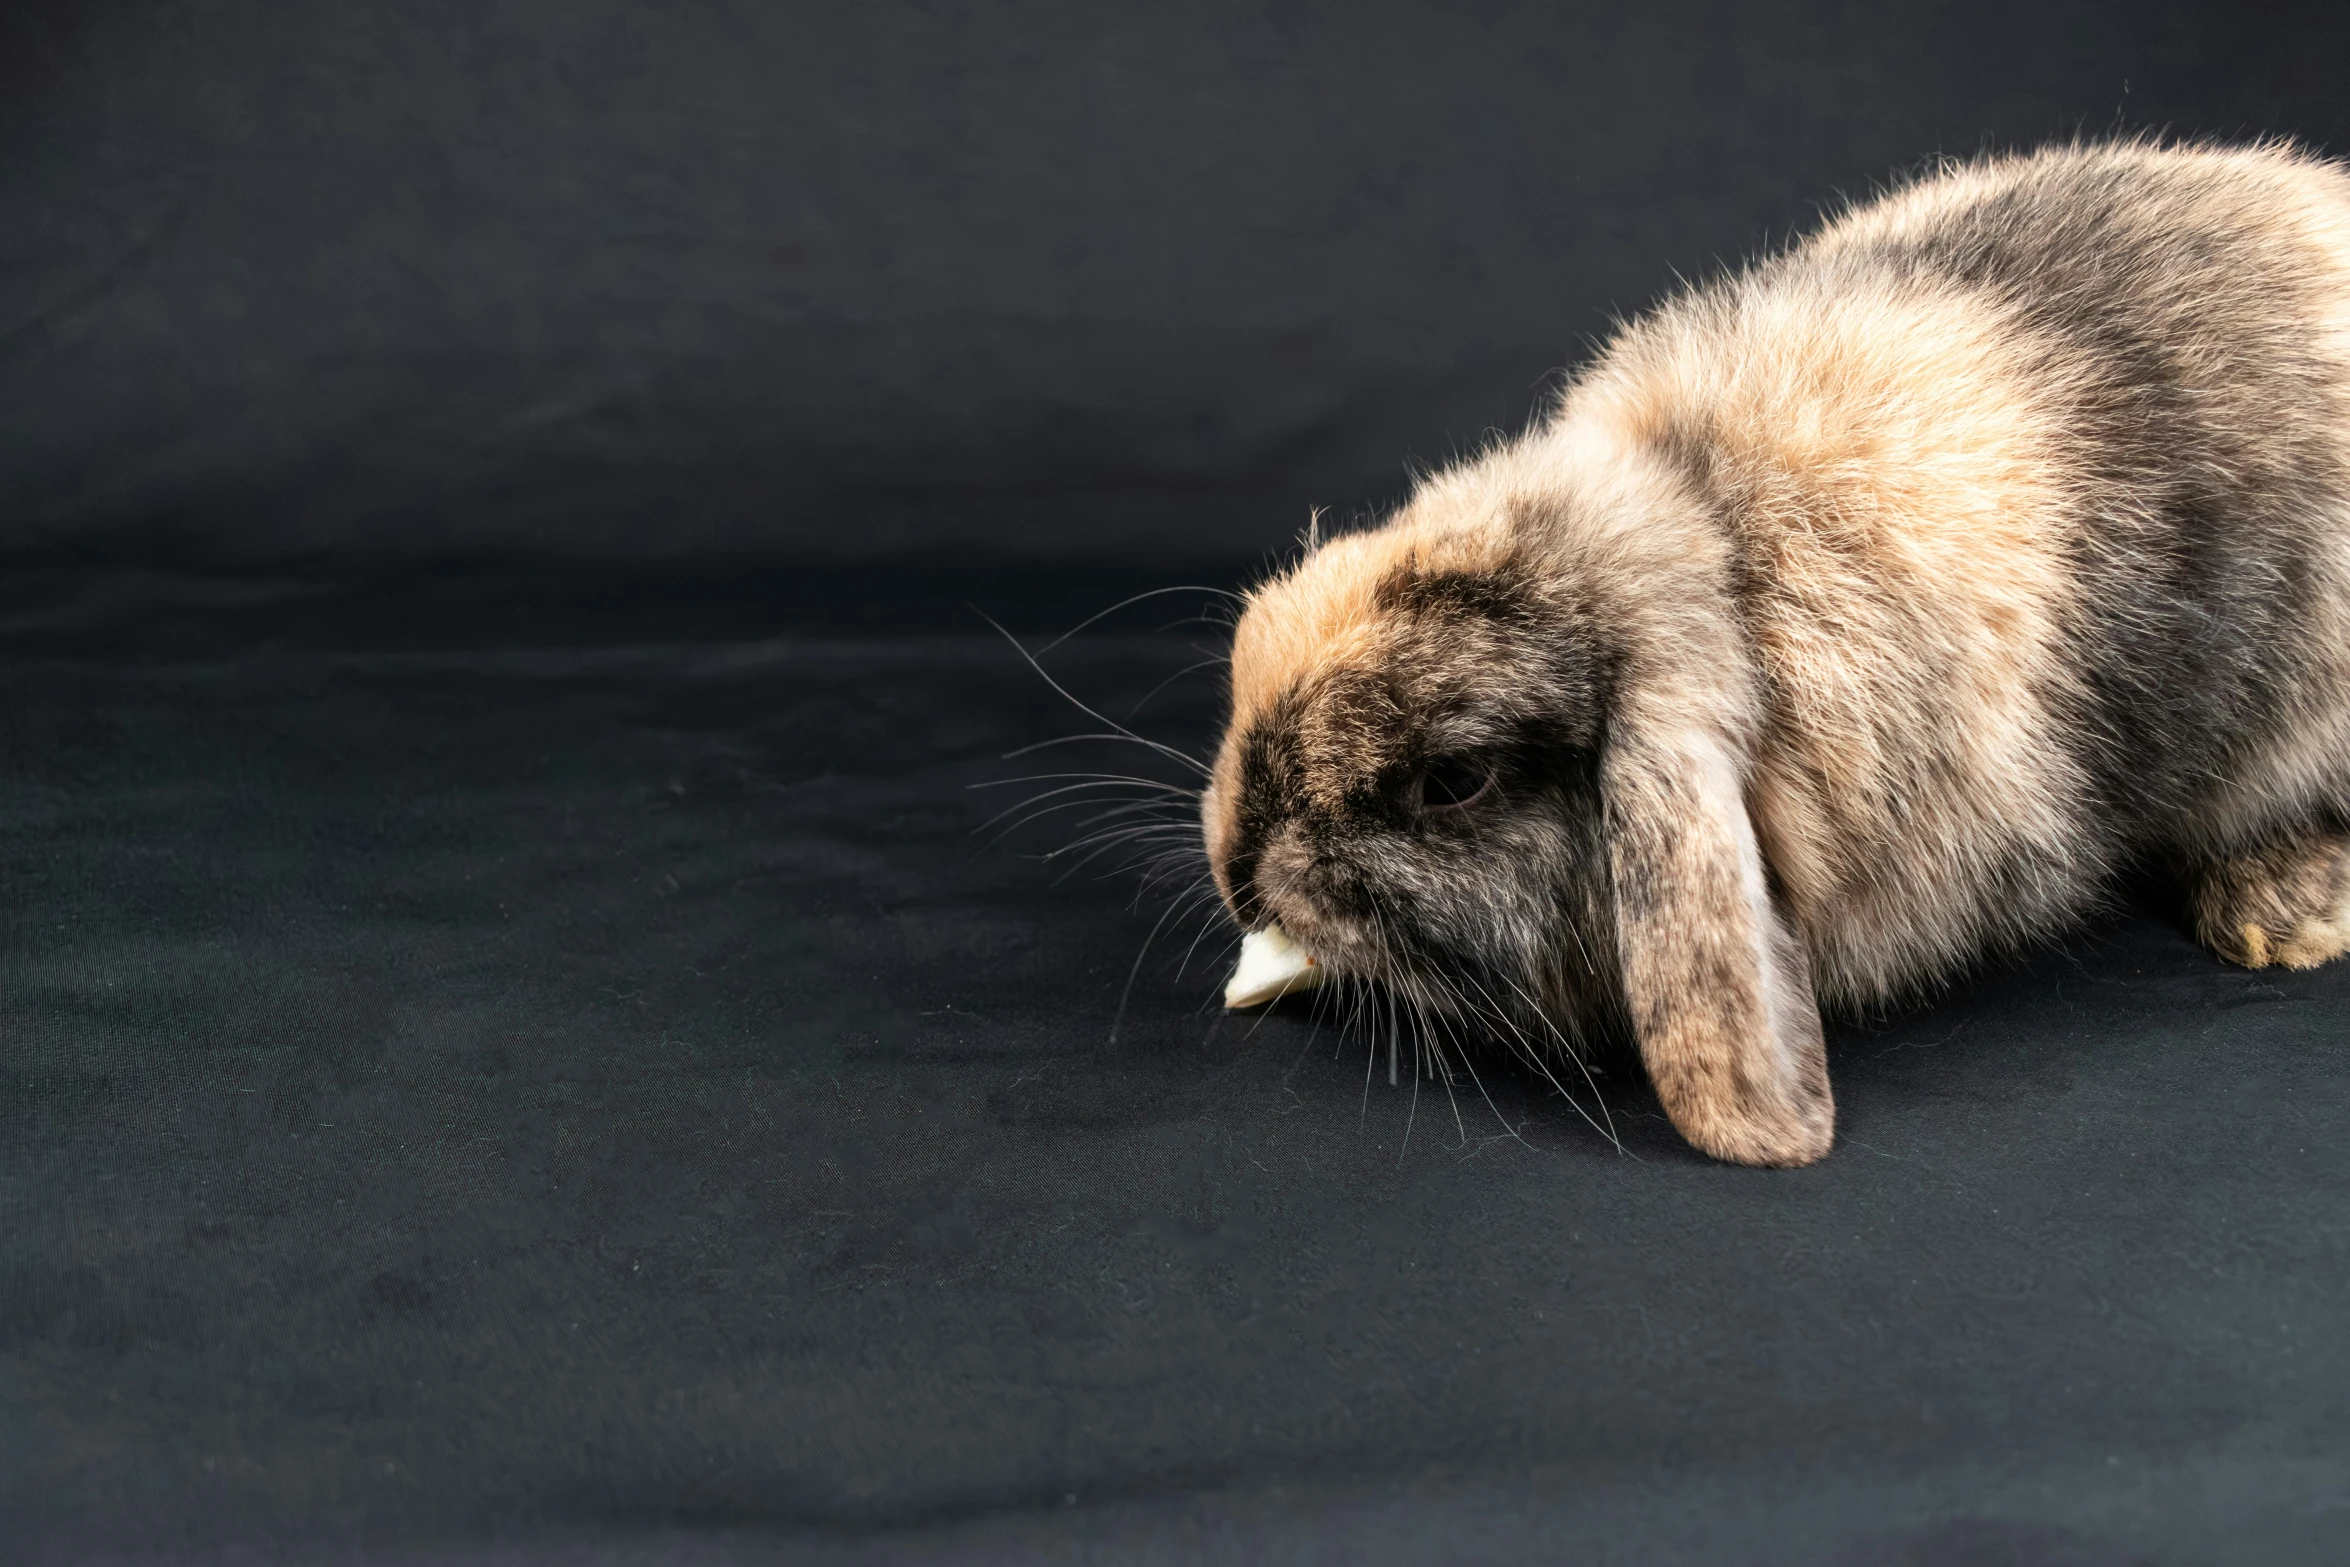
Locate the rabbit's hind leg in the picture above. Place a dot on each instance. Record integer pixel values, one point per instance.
(2286, 902)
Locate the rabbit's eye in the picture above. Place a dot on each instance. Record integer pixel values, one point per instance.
(1451, 783)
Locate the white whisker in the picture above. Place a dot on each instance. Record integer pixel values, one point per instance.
(1117, 729)
(1095, 619)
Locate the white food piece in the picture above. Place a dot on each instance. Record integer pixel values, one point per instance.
(1271, 966)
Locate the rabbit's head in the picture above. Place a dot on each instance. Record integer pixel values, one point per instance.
(1490, 758)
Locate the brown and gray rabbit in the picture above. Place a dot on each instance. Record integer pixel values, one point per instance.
(1844, 619)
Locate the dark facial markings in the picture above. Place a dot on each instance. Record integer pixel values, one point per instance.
(1486, 698)
(1503, 596)
(1266, 795)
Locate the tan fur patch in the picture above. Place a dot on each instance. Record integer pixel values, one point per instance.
(1896, 482)
(2286, 904)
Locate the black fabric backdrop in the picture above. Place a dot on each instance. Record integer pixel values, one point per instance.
(512, 1048)
(852, 279)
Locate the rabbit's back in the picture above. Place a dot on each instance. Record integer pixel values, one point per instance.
(2037, 476)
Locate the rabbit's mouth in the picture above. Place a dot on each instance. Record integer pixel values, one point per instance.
(1334, 942)
(1374, 949)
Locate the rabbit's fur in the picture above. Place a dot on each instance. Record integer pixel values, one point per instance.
(1846, 617)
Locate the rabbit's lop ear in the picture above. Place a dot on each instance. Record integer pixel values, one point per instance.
(1716, 985)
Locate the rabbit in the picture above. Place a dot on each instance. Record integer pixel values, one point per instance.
(1844, 619)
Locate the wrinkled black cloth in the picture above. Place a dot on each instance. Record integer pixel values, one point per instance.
(506, 1093)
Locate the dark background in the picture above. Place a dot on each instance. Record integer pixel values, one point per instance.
(1124, 283)
(515, 1048)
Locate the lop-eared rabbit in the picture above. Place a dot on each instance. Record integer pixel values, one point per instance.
(1845, 618)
